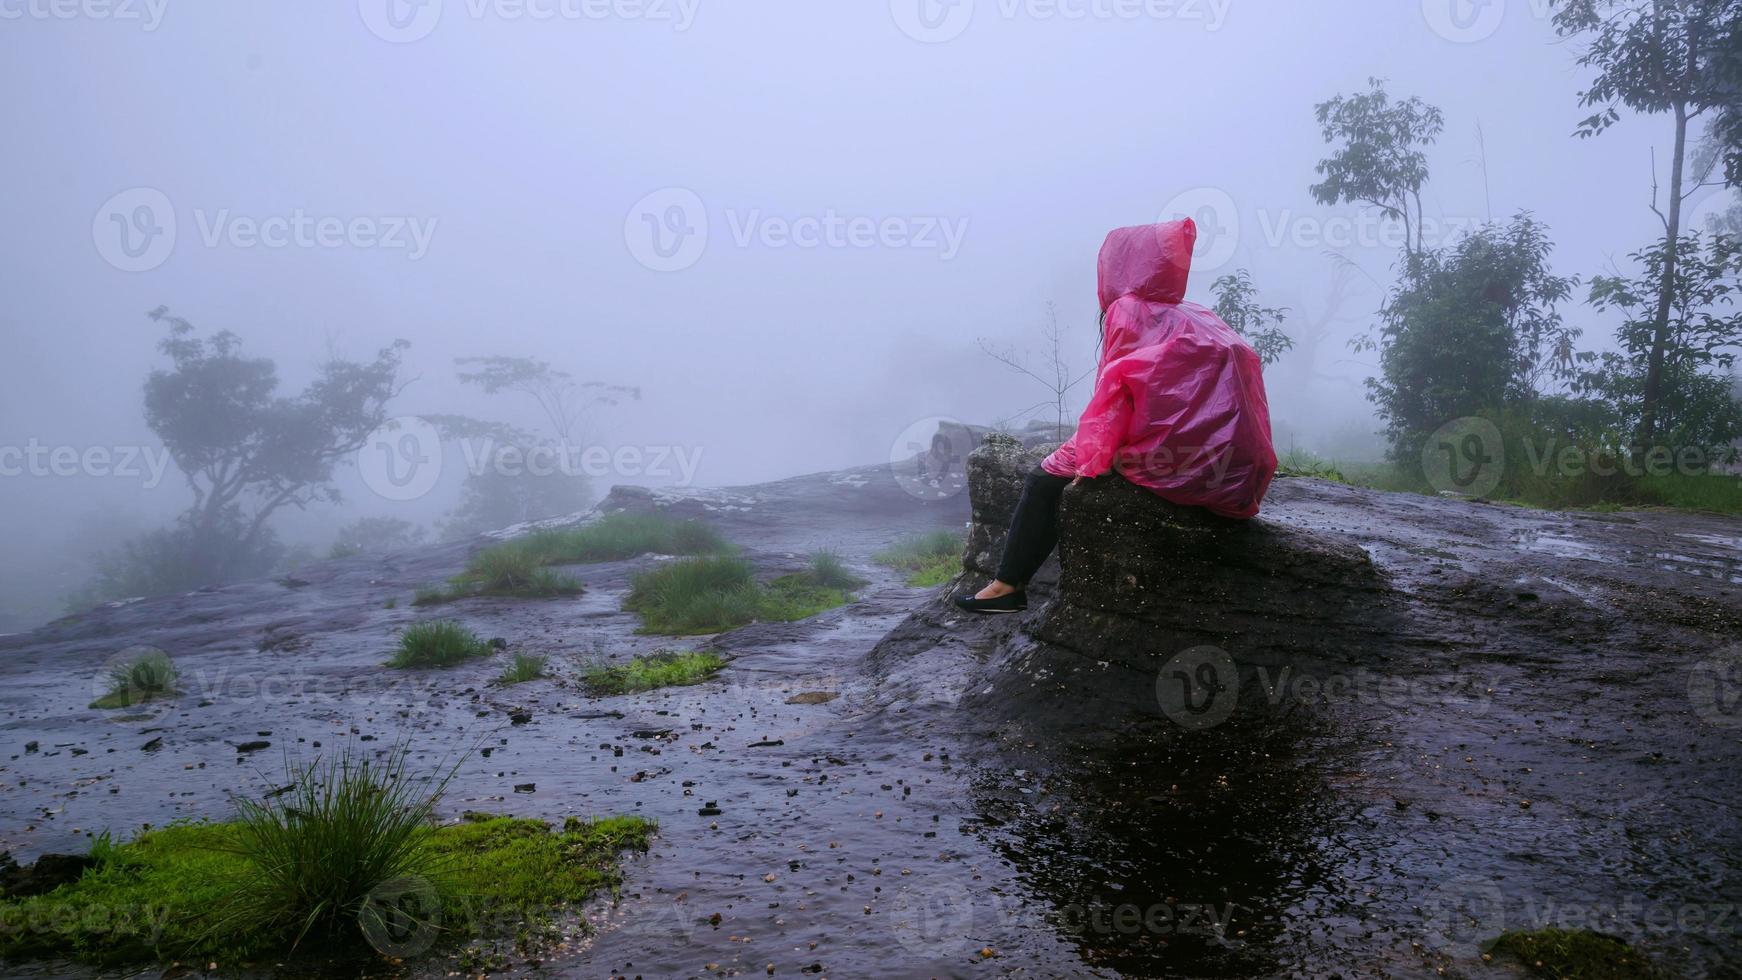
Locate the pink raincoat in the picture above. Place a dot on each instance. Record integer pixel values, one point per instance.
(1179, 405)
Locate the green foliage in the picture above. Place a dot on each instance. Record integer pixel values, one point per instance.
(1300, 462)
(1468, 329)
(1698, 406)
(713, 594)
(146, 677)
(248, 451)
(928, 559)
(349, 823)
(1237, 304)
(829, 570)
(524, 667)
(437, 643)
(1378, 156)
(667, 668)
(301, 865)
(1575, 954)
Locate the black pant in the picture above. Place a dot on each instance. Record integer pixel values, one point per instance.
(1034, 528)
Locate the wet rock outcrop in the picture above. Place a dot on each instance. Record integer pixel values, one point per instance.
(1138, 582)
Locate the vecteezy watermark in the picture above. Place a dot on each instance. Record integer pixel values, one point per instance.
(137, 230)
(140, 678)
(1715, 688)
(401, 917)
(1105, 918)
(669, 230)
(405, 21)
(1468, 457)
(1464, 457)
(1462, 913)
(403, 459)
(1469, 21)
(148, 14)
(937, 21)
(1465, 913)
(148, 463)
(1222, 227)
(1200, 688)
(929, 458)
(938, 922)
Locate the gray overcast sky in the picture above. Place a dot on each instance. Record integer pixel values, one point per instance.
(522, 147)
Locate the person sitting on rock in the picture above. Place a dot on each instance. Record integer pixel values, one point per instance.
(1179, 407)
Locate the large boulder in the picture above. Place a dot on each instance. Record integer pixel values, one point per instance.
(1144, 597)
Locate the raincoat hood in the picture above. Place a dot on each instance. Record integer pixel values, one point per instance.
(1151, 262)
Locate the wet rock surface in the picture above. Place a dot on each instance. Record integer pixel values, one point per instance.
(1488, 717)
(1434, 720)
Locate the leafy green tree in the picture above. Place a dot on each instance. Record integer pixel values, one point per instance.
(1378, 156)
(1698, 405)
(1237, 304)
(1471, 328)
(1657, 56)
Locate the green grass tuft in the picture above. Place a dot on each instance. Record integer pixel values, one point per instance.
(928, 559)
(667, 668)
(619, 536)
(438, 643)
(146, 677)
(1576, 954)
(524, 667)
(828, 570)
(714, 594)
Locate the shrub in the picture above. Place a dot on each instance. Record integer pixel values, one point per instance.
(147, 676)
(928, 559)
(348, 824)
(438, 643)
(524, 667)
(667, 668)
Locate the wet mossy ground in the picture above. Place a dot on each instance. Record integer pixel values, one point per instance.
(1575, 954)
(163, 896)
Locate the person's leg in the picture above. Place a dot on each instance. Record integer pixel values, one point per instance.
(1034, 532)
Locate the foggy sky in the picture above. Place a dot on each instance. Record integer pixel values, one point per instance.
(520, 146)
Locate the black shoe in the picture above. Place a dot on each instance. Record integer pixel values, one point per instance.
(1014, 602)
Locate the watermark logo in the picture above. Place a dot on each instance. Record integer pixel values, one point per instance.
(932, 21)
(140, 679)
(402, 459)
(401, 917)
(1198, 688)
(1464, 21)
(930, 458)
(148, 14)
(1715, 688)
(667, 231)
(1464, 457)
(400, 21)
(1218, 219)
(135, 230)
(935, 922)
(1464, 913)
(1713, 215)
(36, 458)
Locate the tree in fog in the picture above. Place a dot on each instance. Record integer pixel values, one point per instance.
(1237, 304)
(509, 489)
(376, 536)
(1469, 329)
(1656, 56)
(1051, 368)
(1697, 405)
(246, 452)
(1378, 155)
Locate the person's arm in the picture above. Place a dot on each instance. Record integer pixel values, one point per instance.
(1105, 421)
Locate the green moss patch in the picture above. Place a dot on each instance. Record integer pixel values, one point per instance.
(667, 668)
(1575, 954)
(168, 893)
(621, 536)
